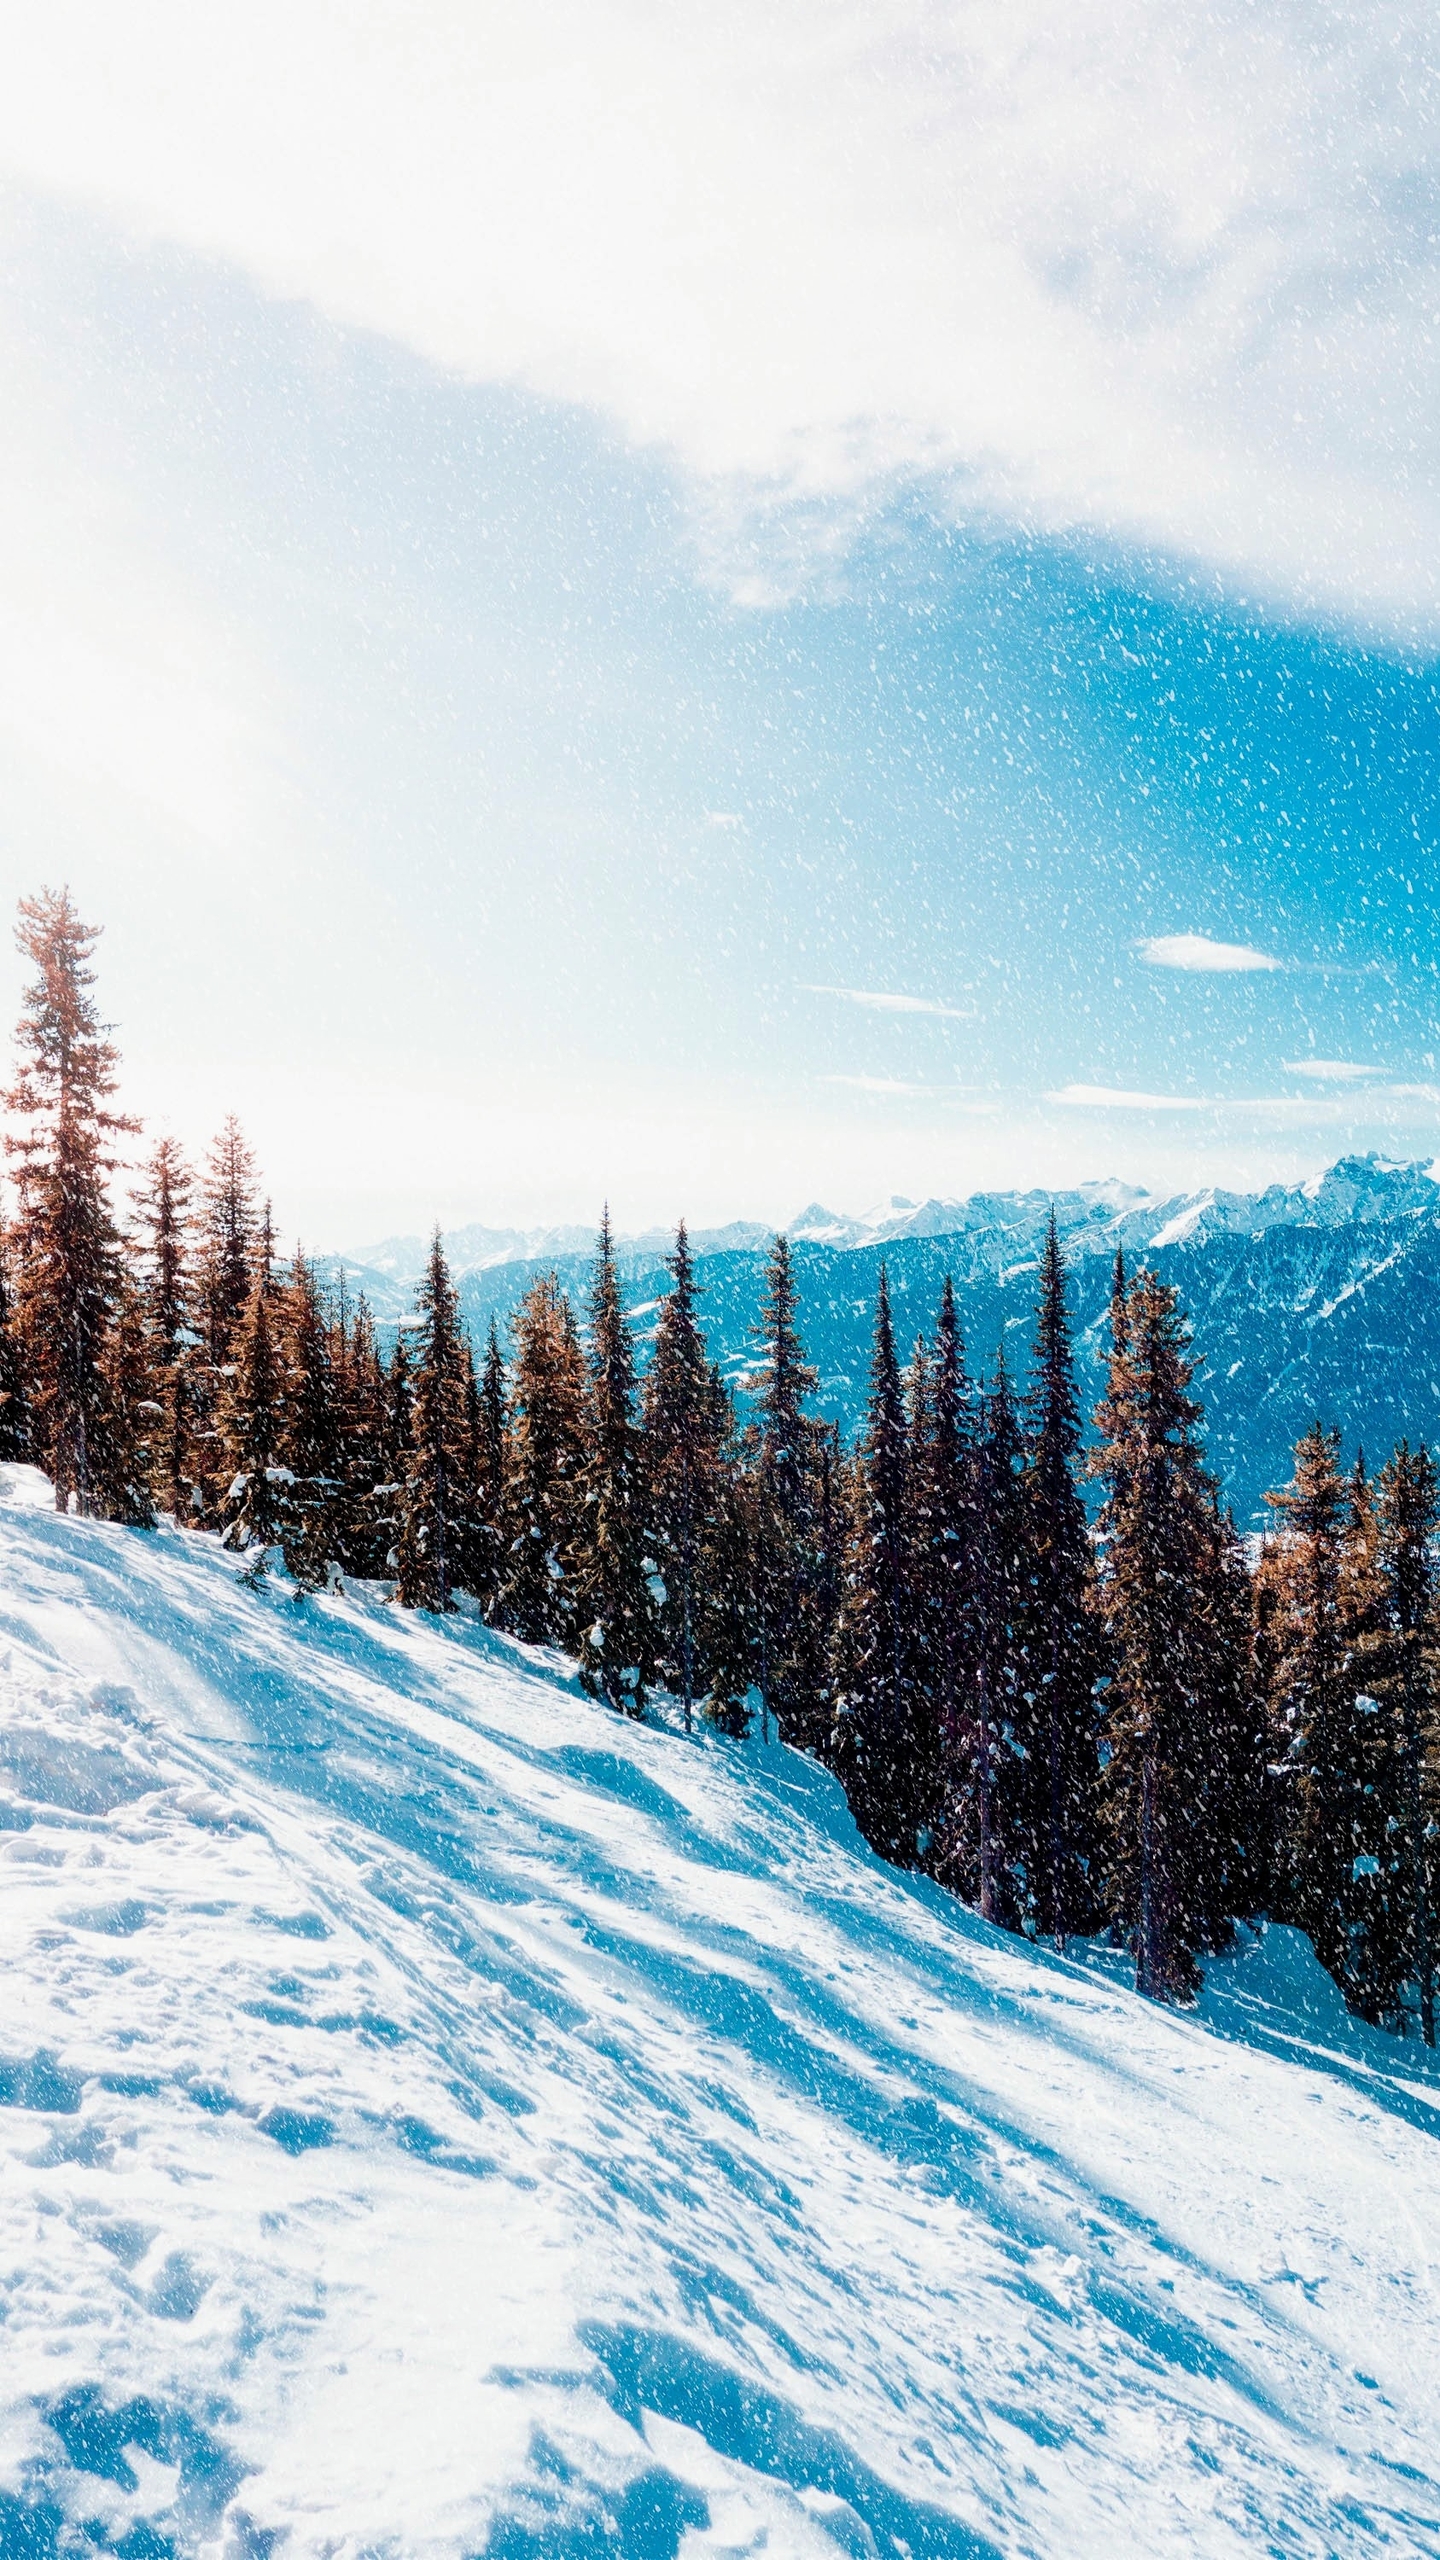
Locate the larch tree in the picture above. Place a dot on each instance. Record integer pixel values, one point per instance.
(65, 1249)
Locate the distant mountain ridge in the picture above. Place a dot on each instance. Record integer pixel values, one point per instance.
(1320, 1297)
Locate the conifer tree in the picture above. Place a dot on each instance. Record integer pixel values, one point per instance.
(685, 1427)
(127, 1425)
(996, 1741)
(65, 1249)
(228, 1267)
(434, 1504)
(792, 1628)
(1059, 1636)
(1376, 1929)
(943, 1465)
(310, 1449)
(876, 1742)
(15, 1437)
(1157, 1547)
(363, 1432)
(166, 1301)
(487, 1427)
(548, 1446)
(251, 1428)
(1316, 1726)
(1401, 1662)
(615, 1604)
(724, 1580)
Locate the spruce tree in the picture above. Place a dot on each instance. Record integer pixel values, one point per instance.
(791, 1568)
(1157, 1550)
(1316, 1726)
(996, 1742)
(1376, 1928)
(1059, 1635)
(166, 1294)
(945, 1536)
(619, 1638)
(548, 1448)
(15, 1435)
(686, 1427)
(65, 1249)
(1402, 1680)
(228, 1266)
(487, 1424)
(435, 1501)
(876, 1740)
(250, 1431)
(364, 1445)
(310, 1450)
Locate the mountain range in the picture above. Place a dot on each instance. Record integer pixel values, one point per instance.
(1316, 1298)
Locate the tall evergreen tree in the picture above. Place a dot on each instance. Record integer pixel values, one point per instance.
(15, 1436)
(615, 1604)
(997, 1722)
(944, 1531)
(686, 1427)
(792, 1628)
(228, 1265)
(548, 1448)
(435, 1502)
(250, 1433)
(876, 1745)
(166, 1299)
(310, 1533)
(1401, 1663)
(1059, 1636)
(66, 1252)
(1157, 1549)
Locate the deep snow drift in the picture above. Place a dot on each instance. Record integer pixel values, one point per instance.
(441, 2119)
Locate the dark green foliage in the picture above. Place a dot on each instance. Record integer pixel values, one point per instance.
(310, 1533)
(699, 1515)
(251, 1430)
(16, 1443)
(617, 1580)
(548, 1450)
(877, 1741)
(794, 1570)
(436, 1499)
(65, 1252)
(1059, 1845)
(166, 1298)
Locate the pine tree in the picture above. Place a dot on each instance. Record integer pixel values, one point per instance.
(310, 1449)
(66, 1252)
(1059, 1636)
(997, 1721)
(1376, 1929)
(436, 1498)
(548, 1448)
(487, 1429)
(363, 1434)
(945, 1540)
(229, 1266)
(1401, 1663)
(1316, 1726)
(127, 1426)
(792, 1626)
(686, 1427)
(1229, 1813)
(15, 1436)
(251, 1428)
(616, 1607)
(166, 1300)
(877, 1734)
(1157, 1548)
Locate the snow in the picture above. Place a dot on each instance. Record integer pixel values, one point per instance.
(440, 2118)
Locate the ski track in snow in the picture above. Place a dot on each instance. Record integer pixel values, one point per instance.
(438, 2118)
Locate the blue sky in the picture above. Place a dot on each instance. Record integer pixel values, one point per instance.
(744, 686)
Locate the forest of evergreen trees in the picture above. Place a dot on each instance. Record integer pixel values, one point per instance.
(1080, 1719)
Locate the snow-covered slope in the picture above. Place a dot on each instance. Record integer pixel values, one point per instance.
(439, 2119)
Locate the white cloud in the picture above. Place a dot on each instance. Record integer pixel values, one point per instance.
(878, 1003)
(1164, 275)
(1104, 1097)
(1195, 952)
(880, 1084)
(1330, 1070)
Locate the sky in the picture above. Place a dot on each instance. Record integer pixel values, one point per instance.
(723, 607)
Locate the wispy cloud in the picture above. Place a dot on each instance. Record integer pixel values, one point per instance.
(877, 1002)
(880, 1084)
(1105, 1097)
(1195, 952)
(1330, 1070)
